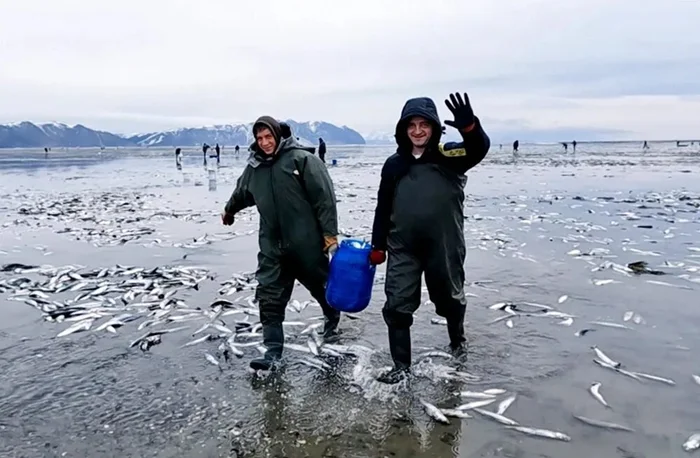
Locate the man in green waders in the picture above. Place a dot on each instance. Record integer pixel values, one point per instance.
(294, 195)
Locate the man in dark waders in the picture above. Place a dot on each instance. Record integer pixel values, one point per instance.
(218, 154)
(322, 149)
(419, 220)
(178, 158)
(205, 148)
(294, 196)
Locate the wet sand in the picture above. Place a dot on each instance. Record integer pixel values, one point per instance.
(88, 394)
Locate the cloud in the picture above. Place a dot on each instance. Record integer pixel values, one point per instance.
(595, 65)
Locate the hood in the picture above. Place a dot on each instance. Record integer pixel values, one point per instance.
(257, 157)
(424, 107)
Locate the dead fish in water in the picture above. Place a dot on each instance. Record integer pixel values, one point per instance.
(583, 332)
(656, 378)
(562, 299)
(148, 342)
(498, 417)
(603, 424)
(567, 322)
(475, 404)
(503, 406)
(77, 327)
(475, 395)
(433, 412)
(610, 325)
(603, 357)
(693, 443)
(211, 359)
(455, 413)
(509, 323)
(627, 316)
(605, 282)
(495, 391)
(197, 341)
(617, 369)
(438, 321)
(595, 392)
(541, 433)
(435, 354)
(313, 347)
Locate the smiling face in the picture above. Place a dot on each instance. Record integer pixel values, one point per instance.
(266, 140)
(419, 131)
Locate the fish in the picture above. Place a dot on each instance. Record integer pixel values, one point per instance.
(583, 332)
(616, 369)
(655, 378)
(693, 443)
(197, 341)
(475, 404)
(312, 346)
(541, 433)
(455, 413)
(595, 392)
(503, 406)
(696, 378)
(627, 316)
(498, 417)
(433, 412)
(435, 354)
(495, 391)
(211, 359)
(603, 424)
(604, 282)
(603, 357)
(475, 395)
(438, 321)
(84, 325)
(610, 325)
(509, 323)
(567, 322)
(562, 299)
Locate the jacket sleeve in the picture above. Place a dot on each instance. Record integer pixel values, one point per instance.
(461, 157)
(319, 189)
(385, 203)
(240, 198)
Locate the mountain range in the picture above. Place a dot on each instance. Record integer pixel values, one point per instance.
(29, 135)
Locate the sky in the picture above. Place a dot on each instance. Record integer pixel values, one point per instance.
(533, 69)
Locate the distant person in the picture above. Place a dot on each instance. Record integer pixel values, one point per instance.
(500, 146)
(205, 148)
(646, 145)
(574, 145)
(322, 150)
(218, 154)
(566, 146)
(237, 150)
(178, 158)
(516, 144)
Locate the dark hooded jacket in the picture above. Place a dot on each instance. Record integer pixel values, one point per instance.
(293, 193)
(427, 191)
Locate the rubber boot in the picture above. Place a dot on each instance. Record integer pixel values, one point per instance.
(332, 319)
(400, 347)
(273, 339)
(455, 329)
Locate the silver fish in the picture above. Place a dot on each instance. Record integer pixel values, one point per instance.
(696, 378)
(603, 357)
(503, 406)
(603, 424)
(434, 412)
(312, 346)
(617, 369)
(475, 404)
(595, 392)
(567, 322)
(495, 391)
(435, 354)
(476, 395)
(541, 433)
(610, 325)
(655, 378)
(211, 359)
(439, 321)
(77, 327)
(509, 324)
(455, 413)
(562, 299)
(693, 443)
(498, 417)
(197, 341)
(627, 316)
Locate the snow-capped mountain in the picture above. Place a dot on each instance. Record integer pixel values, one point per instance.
(379, 138)
(30, 135)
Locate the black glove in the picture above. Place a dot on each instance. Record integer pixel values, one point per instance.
(227, 219)
(461, 110)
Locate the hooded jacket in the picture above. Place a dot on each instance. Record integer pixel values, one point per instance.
(293, 193)
(446, 165)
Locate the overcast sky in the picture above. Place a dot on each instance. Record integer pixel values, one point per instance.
(593, 68)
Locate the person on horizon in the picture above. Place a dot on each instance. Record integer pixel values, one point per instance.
(205, 148)
(645, 146)
(574, 145)
(218, 154)
(237, 150)
(298, 229)
(419, 220)
(566, 146)
(516, 144)
(178, 158)
(322, 150)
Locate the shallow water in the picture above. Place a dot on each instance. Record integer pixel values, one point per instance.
(88, 394)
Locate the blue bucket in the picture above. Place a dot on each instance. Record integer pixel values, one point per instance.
(349, 287)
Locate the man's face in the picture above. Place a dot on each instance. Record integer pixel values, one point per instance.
(419, 131)
(266, 141)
